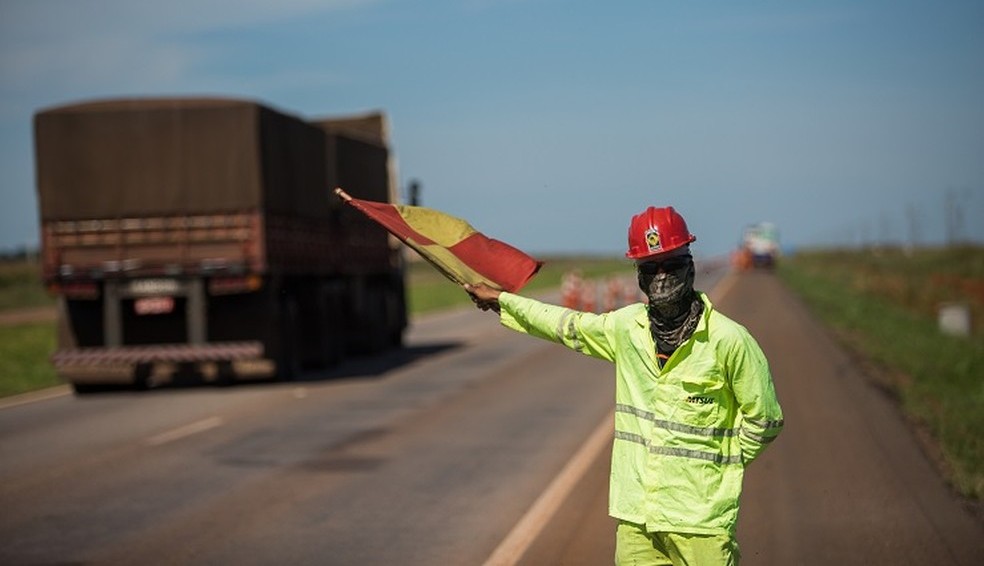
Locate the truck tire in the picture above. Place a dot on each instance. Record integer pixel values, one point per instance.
(395, 315)
(85, 388)
(333, 325)
(288, 354)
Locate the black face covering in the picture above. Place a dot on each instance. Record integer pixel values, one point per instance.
(674, 306)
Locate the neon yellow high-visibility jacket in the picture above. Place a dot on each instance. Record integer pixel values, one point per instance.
(683, 433)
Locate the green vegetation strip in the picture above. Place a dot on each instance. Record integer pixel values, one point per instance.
(882, 304)
(24, 352)
(20, 286)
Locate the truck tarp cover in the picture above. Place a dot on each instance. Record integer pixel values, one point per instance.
(154, 157)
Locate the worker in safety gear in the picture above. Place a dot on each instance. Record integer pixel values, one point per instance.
(694, 399)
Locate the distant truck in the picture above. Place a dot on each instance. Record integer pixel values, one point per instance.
(759, 247)
(191, 237)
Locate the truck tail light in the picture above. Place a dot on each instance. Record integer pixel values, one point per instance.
(234, 285)
(82, 290)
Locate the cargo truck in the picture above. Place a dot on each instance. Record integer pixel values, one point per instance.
(197, 237)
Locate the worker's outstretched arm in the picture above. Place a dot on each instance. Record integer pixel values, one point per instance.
(585, 332)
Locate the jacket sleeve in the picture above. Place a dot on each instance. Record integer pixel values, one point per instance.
(584, 332)
(751, 381)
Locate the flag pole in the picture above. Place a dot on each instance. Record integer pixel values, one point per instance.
(342, 194)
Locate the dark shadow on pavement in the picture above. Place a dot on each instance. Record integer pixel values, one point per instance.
(377, 365)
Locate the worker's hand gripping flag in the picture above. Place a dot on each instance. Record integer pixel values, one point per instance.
(450, 244)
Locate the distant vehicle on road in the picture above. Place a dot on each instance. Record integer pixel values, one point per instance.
(198, 236)
(759, 246)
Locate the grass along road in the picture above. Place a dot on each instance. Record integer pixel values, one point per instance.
(881, 304)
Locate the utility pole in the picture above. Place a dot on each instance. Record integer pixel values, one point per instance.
(953, 217)
(948, 217)
(913, 221)
(885, 230)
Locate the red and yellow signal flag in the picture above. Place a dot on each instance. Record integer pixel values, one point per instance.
(461, 253)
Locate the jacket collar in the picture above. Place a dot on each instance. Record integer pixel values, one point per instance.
(642, 318)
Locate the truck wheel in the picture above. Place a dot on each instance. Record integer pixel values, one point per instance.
(85, 388)
(288, 358)
(333, 327)
(395, 312)
(379, 328)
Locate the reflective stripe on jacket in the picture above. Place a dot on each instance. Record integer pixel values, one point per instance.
(683, 433)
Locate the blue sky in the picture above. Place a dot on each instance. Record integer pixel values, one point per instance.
(549, 123)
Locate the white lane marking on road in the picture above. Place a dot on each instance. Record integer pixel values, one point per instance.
(512, 548)
(35, 396)
(183, 431)
(723, 286)
(528, 528)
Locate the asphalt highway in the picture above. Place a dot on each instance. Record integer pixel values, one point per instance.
(473, 445)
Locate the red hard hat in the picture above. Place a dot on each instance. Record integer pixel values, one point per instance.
(657, 231)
